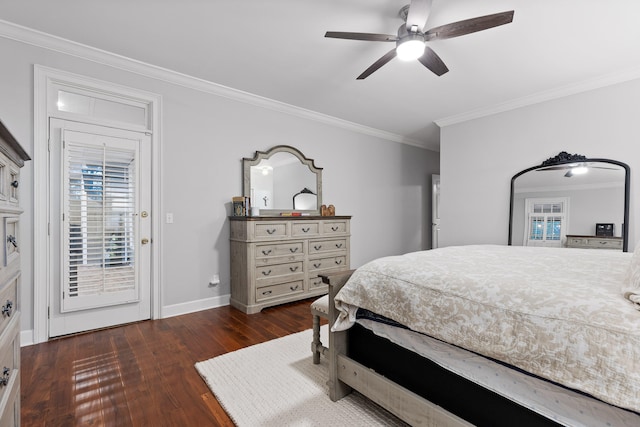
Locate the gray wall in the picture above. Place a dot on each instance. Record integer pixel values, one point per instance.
(383, 184)
(479, 157)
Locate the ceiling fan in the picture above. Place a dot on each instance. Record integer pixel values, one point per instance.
(411, 38)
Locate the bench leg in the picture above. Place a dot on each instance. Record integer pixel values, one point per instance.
(316, 345)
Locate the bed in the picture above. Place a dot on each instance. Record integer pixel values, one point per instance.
(490, 335)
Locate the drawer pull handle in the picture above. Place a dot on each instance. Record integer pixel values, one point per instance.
(338, 245)
(15, 183)
(266, 273)
(317, 247)
(334, 228)
(293, 288)
(266, 252)
(271, 230)
(317, 265)
(12, 239)
(306, 230)
(293, 250)
(338, 261)
(5, 376)
(7, 309)
(267, 293)
(293, 268)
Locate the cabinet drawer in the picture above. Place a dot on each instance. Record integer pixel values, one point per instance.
(280, 289)
(8, 303)
(278, 270)
(604, 243)
(279, 249)
(315, 282)
(271, 229)
(320, 246)
(328, 262)
(9, 359)
(334, 227)
(305, 229)
(11, 239)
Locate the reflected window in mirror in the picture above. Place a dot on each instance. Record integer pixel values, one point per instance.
(560, 202)
(272, 179)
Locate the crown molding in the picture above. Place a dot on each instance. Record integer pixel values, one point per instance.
(561, 92)
(43, 40)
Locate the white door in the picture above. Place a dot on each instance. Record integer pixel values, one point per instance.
(100, 225)
(435, 210)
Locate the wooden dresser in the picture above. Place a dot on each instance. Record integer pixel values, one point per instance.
(12, 158)
(275, 260)
(594, 242)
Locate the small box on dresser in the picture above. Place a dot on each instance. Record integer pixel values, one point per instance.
(12, 158)
(275, 260)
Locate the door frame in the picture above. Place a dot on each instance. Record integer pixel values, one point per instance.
(44, 77)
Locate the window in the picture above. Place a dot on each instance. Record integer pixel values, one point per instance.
(546, 221)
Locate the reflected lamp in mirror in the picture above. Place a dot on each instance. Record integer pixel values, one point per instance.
(565, 196)
(273, 179)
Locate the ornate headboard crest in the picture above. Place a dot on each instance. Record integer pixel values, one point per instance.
(563, 157)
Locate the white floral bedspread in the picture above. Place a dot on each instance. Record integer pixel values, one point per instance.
(554, 312)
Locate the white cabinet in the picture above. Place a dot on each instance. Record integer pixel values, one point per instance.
(12, 158)
(594, 242)
(275, 260)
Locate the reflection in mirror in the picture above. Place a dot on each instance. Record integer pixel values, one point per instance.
(305, 200)
(571, 201)
(272, 179)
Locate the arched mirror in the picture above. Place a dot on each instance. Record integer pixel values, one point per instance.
(571, 201)
(282, 180)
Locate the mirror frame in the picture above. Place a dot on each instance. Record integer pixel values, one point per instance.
(565, 158)
(261, 155)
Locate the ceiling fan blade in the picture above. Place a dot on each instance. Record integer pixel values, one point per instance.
(432, 61)
(371, 37)
(460, 28)
(418, 13)
(379, 63)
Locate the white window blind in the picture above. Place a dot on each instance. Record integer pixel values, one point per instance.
(99, 225)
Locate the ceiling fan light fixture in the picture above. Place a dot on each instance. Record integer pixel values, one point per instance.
(411, 47)
(579, 170)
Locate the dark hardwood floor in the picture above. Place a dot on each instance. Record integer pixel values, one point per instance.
(143, 374)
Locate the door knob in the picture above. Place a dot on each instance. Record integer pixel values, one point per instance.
(145, 241)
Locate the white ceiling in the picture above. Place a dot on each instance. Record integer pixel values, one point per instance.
(276, 49)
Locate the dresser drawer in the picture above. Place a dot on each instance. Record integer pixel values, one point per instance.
(8, 303)
(11, 239)
(9, 359)
(315, 282)
(320, 246)
(327, 263)
(594, 243)
(334, 227)
(288, 288)
(271, 229)
(278, 270)
(279, 250)
(305, 229)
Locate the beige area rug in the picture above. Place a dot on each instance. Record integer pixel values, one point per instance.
(276, 384)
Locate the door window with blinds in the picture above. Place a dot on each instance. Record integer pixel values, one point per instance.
(546, 221)
(99, 223)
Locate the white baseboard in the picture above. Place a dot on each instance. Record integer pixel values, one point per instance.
(26, 337)
(193, 306)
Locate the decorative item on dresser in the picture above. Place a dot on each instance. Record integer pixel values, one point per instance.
(594, 242)
(12, 158)
(277, 260)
